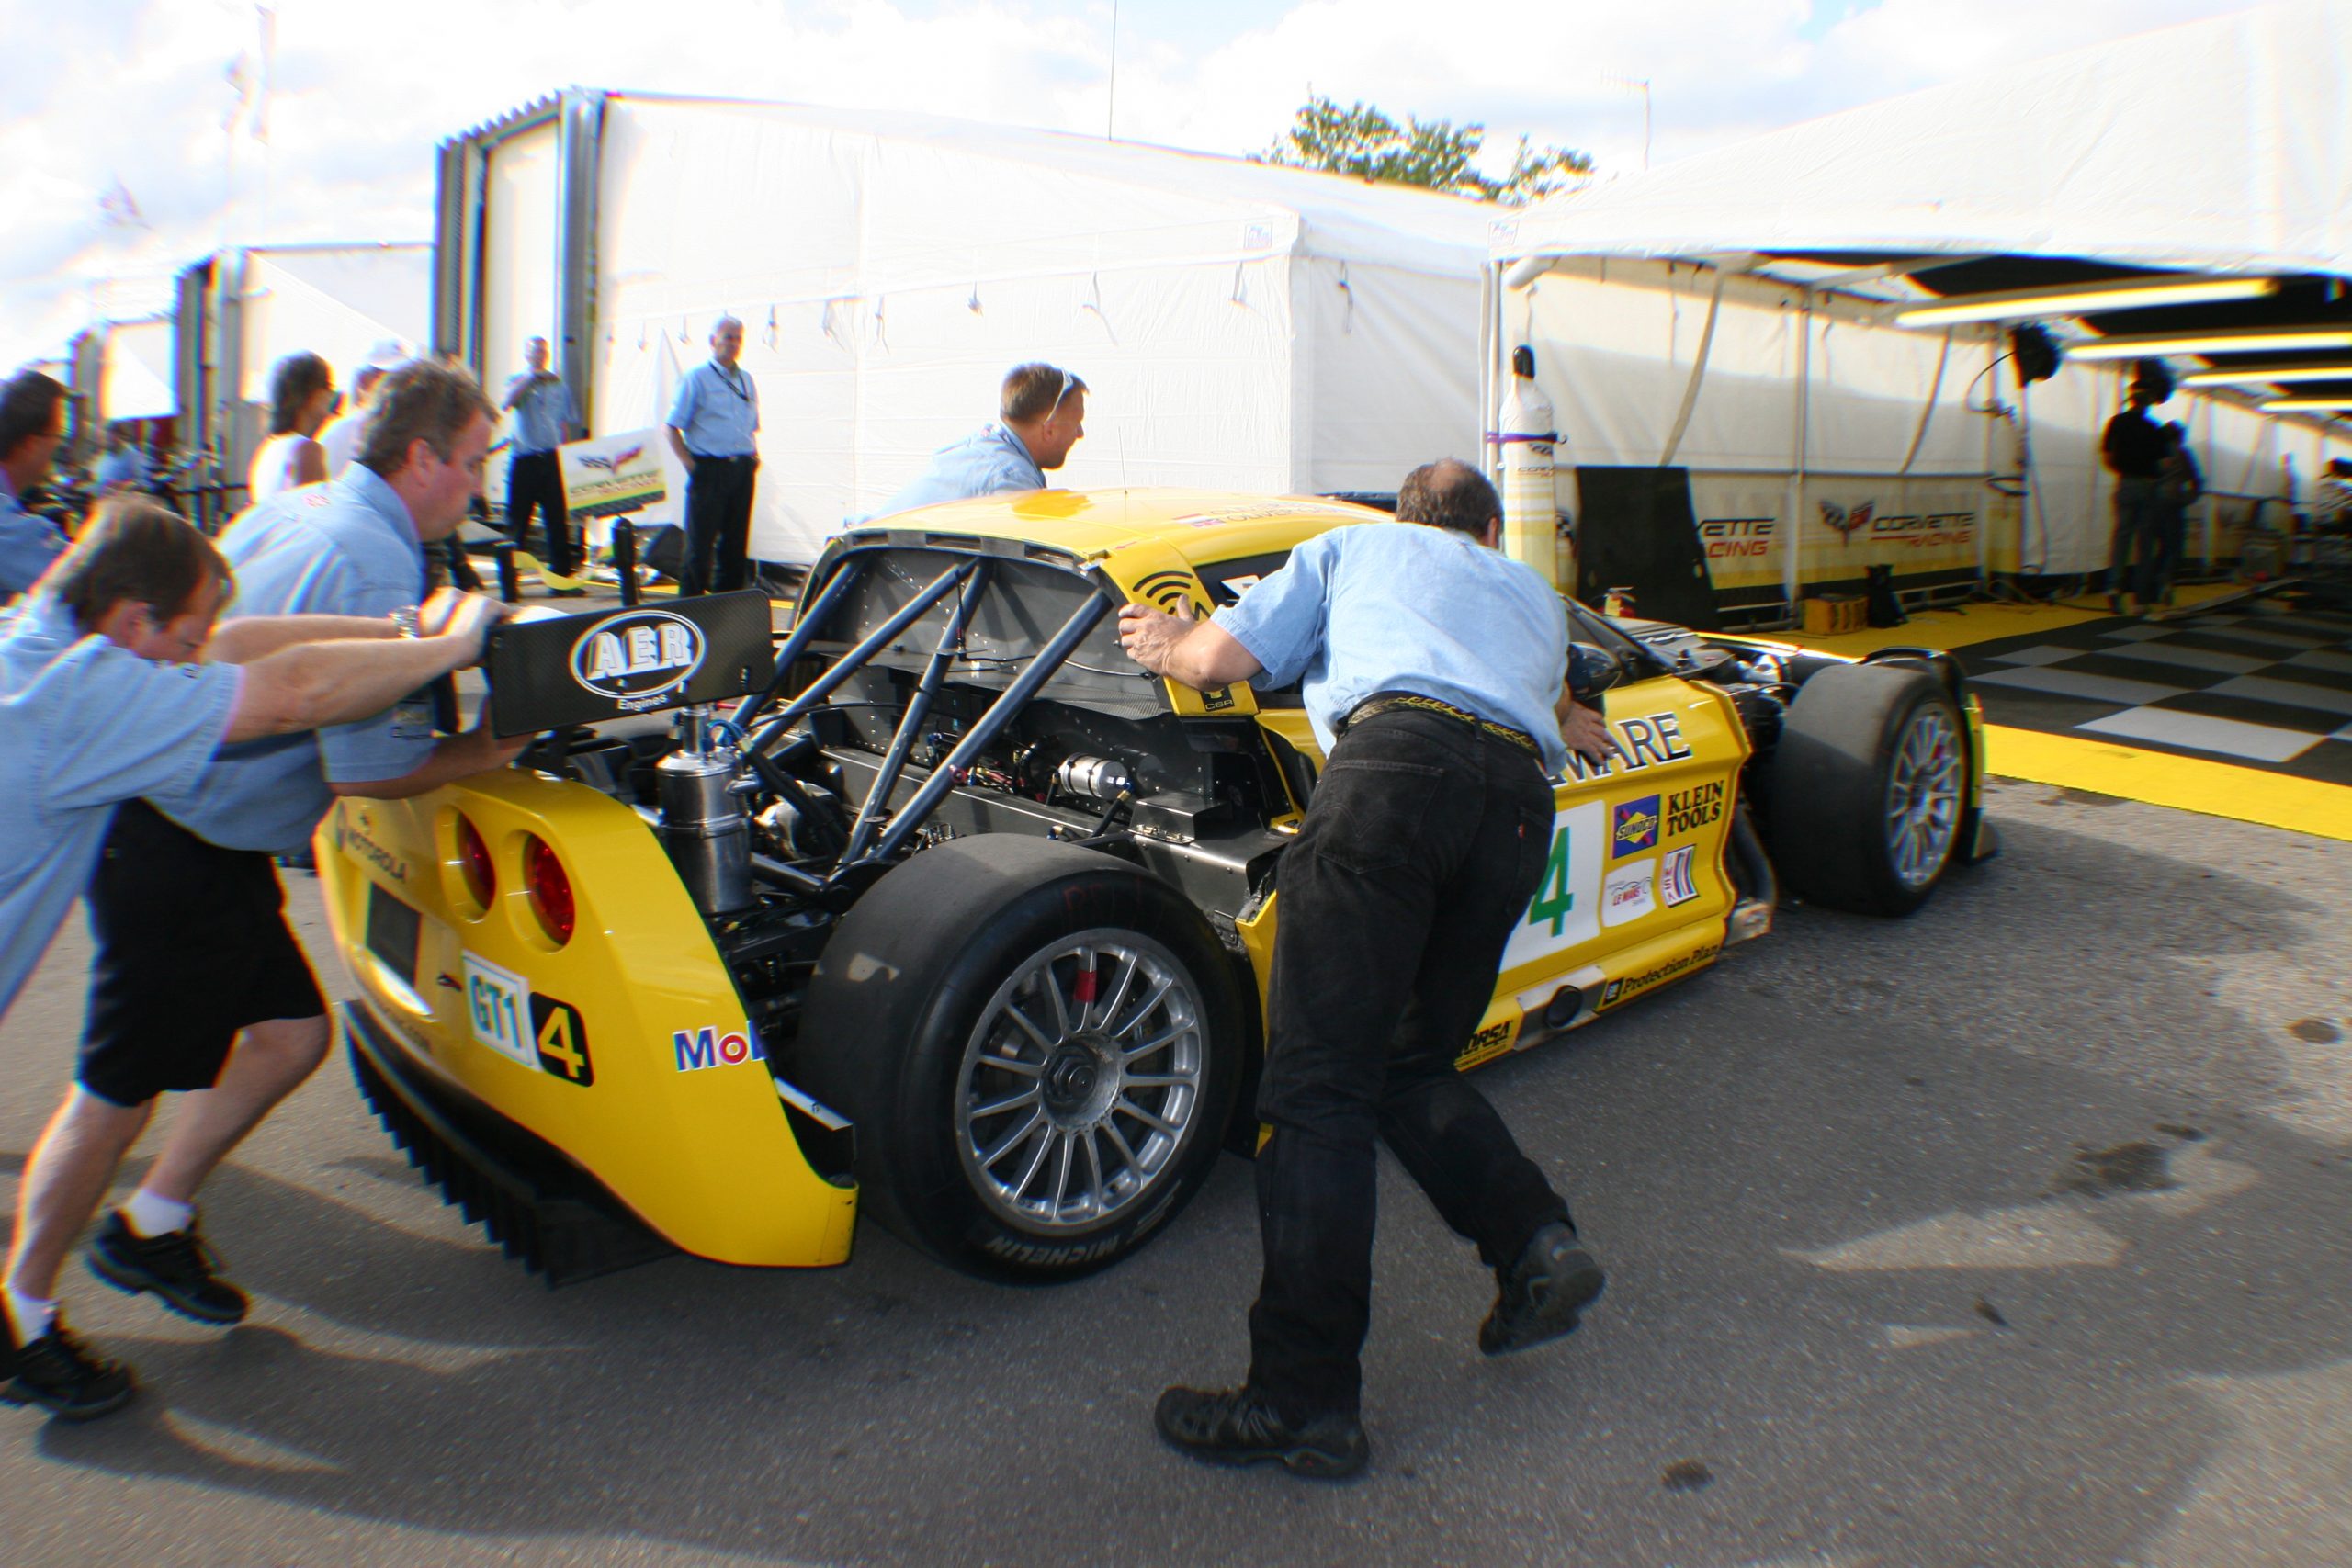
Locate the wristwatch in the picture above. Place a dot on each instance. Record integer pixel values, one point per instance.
(404, 621)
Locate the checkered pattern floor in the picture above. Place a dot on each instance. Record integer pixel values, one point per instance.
(2263, 685)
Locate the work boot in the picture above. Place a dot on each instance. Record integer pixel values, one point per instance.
(1241, 1425)
(177, 1266)
(1544, 1288)
(59, 1373)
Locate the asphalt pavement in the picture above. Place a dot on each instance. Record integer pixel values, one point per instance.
(2011, 1234)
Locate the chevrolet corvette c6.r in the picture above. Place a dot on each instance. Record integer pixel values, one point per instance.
(948, 911)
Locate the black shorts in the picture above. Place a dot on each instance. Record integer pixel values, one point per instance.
(192, 947)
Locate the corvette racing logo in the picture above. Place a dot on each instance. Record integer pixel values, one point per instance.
(639, 658)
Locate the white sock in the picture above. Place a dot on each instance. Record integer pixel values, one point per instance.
(149, 1215)
(30, 1316)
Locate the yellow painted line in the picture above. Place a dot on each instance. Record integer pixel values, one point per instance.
(2189, 783)
(1959, 628)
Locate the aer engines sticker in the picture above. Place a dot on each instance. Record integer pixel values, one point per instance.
(636, 659)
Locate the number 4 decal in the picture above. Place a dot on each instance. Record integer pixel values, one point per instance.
(1554, 898)
(562, 1039)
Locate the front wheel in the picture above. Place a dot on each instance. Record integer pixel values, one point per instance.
(1867, 788)
(1039, 1046)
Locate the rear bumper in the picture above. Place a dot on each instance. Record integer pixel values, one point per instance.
(544, 1211)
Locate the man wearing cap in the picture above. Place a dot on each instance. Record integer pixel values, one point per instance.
(713, 423)
(545, 417)
(1433, 670)
(1041, 414)
(114, 683)
(32, 427)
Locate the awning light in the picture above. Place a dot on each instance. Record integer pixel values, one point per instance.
(2258, 375)
(2086, 298)
(2151, 345)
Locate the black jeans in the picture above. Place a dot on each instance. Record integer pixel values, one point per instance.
(718, 524)
(1425, 840)
(2134, 546)
(535, 483)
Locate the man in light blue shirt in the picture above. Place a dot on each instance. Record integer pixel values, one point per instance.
(122, 466)
(1432, 669)
(1041, 415)
(714, 421)
(216, 999)
(32, 427)
(100, 703)
(545, 418)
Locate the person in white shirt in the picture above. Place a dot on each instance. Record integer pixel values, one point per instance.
(341, 434)
(301, 396)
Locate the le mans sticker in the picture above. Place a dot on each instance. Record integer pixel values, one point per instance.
(1566, 909)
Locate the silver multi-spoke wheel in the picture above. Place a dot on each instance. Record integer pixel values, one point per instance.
(1923, 790)
(1082, 1081)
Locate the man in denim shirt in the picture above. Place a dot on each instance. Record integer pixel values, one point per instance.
(32, 427)
(1042, 414)
(1431, 667)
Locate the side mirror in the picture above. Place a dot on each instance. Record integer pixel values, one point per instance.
(1592, 669)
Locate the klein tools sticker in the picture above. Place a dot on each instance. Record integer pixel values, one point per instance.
(1633, 826)
(1673, 883)
(708, 1047)
(1688, 810)
(636, 659)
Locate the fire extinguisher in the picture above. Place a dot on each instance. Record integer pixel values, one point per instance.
(1531, 530)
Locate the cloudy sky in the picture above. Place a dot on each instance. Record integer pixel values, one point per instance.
(129, 148)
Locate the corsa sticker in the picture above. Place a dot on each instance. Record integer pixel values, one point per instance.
(1566, 909)
(1491, 1041)
(706, 1047)
(1630, 893)
(1673, 883)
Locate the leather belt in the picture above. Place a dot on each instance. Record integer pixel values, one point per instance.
(1413, 702)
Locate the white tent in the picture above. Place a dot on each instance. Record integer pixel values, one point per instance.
(135, 370)
(1239, 325)
(1732, 313)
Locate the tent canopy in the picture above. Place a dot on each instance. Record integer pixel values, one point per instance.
(2221, 147)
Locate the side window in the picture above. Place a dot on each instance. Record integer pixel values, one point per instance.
(1226, 582)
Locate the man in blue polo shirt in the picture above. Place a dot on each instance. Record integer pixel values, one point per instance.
(1432, 668)
(197, 986)
(32, 427)
(99, 702)
(545, 418)
(713, 423)
(1041, 414)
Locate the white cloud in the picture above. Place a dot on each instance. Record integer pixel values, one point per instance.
(135, 90)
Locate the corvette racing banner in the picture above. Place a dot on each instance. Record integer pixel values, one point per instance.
(613, 474)
(1848, 524)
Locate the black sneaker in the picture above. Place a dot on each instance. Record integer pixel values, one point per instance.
(1241, 1425)
(1543, 1291)
(59, 1373)
(176, 1266)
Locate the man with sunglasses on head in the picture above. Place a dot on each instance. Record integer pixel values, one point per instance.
(1041, 415)
(714, 422)
(197, 984)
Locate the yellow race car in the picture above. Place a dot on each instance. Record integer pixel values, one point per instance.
(947, 910)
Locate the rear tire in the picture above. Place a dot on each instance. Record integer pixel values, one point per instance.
(1869, 788)
(1039, 1046)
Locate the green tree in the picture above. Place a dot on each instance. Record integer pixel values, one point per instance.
(1435, 153)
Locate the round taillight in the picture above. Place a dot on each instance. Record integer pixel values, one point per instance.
(474, 863)
(550, 890)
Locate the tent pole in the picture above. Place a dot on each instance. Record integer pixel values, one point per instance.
(1791, 572)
